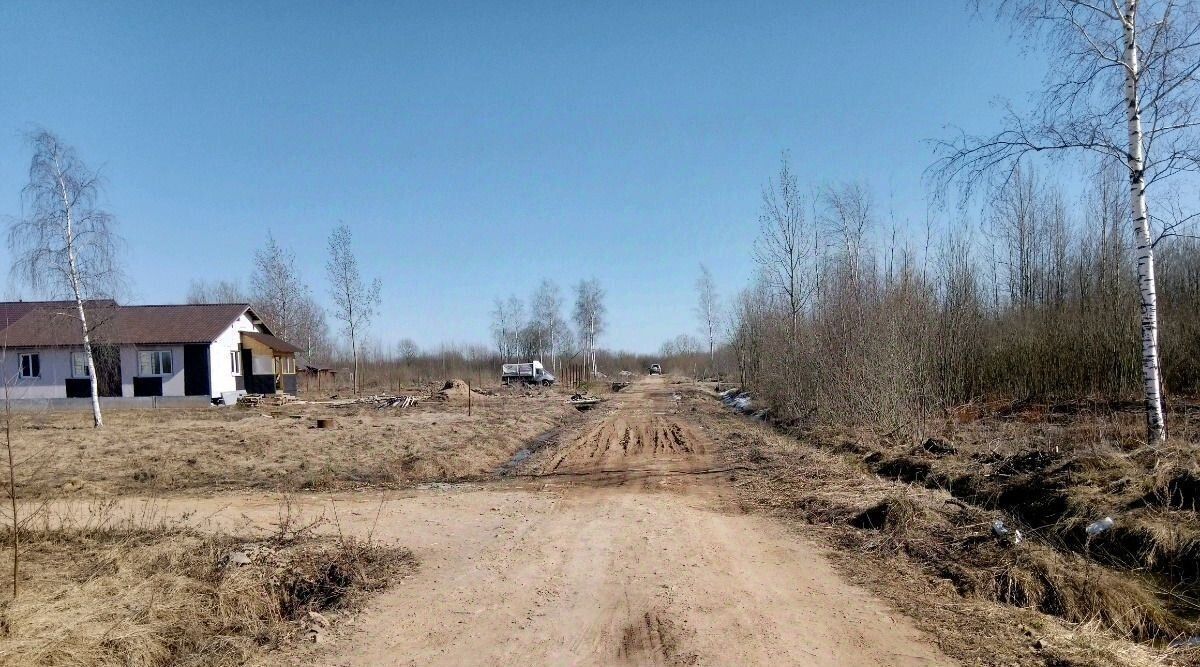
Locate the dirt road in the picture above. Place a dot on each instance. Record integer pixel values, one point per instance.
(625, 552)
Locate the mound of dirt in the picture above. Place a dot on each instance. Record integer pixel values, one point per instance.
(454, 388)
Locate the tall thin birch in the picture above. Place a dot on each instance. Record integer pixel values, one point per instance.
(589, 317)
(64, 245)
(354, 302)
(708, 309)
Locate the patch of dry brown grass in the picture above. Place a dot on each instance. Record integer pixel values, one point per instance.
(107, 591)
(140, 452)
(888, 508)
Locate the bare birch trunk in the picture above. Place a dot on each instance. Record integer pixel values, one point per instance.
(73, 274)
(12, 484)
(1151, 375)
(592, 342)
(91, 364)
(353, 356)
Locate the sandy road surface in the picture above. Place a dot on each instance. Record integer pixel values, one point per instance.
(626, 553)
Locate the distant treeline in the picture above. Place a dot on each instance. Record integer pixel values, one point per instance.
(406, 366)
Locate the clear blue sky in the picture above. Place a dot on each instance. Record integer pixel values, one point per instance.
(474, 148)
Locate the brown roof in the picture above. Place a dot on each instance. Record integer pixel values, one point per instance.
(47, 324)
(11, 311)
(270, 341)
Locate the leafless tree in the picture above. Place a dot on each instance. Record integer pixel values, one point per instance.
(681, 345)
(547, 319)
(508, 321)
(847, 217)
(589, 317)
(783, 249)
(1122, 85)
(277, 292)
(354, 302)
(708, 309)
(407, 350)
(279, 296)
(220, 291)
(63, 244)
(311, 330)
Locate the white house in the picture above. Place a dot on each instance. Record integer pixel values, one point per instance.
(171, 350)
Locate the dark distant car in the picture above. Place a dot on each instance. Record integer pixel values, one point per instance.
(655, 369)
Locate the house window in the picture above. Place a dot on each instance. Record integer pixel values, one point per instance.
(79, 367)
(283, 365)
(235, 362)
(31, 366)
(154, 362)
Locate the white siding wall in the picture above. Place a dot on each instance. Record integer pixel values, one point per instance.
(128, 369)
(55, 369)
(229, 341)
(172, 383)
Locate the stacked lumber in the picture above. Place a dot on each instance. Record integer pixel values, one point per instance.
(256, 400)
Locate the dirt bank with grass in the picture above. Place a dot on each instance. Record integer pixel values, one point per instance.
(919, 514)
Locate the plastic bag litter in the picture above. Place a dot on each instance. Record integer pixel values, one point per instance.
(1003, 533)
(1097, 527)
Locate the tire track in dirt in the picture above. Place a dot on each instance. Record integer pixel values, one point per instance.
(628, 440)
(653, 638)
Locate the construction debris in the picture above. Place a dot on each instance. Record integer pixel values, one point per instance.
(379, 401)
(584, 401)
(257, 400)
(402, 401)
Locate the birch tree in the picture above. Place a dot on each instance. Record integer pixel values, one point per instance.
(310, 330)
(64, 245)
(783, 248)
(355, 302)
(277, 292)
(1121, 85)
(708, 309)
(508, 319)
(547, 315)
(589, 317)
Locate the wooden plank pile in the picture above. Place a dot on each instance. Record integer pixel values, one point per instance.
(397, 402)
(257, 400)
(584, 401)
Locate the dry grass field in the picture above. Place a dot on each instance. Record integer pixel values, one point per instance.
(278, 448)
(907, 518)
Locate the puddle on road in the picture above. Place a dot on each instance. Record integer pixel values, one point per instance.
(542, 441)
